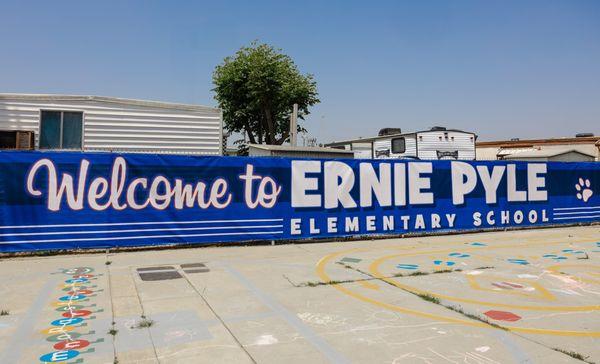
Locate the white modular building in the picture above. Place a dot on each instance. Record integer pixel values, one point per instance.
(435, 143)
(584, 147)
(96, 123)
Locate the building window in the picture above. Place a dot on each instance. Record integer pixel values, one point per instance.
(61, 130)
(398, 145)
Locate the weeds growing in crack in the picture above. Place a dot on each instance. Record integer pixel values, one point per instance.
(143, 323)
(475, 317)
(429, 298)
(414, 274)
(319, 283)
(4, 312)
(574, 355)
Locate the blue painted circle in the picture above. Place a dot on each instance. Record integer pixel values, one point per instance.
(66, 321)
(57, 356)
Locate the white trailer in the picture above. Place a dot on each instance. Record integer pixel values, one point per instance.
(436, 143)
(95, 123)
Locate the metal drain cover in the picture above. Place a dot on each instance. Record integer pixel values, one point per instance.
(195, 268)
(158, 273)
(161, 273)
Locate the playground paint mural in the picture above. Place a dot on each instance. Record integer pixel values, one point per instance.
(74, 310)
(66, 200)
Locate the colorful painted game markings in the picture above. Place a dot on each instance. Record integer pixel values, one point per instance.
(518, 261)
(507, 285)
(71, 344)
(58, 356)
(478, 244)
(571, 251)
(447, 263)
(64, 333)
(502, 316)
(77, 313)
(408, 266)
(66, 321)
(76, 297)
(76, 280)
(57, 330)
(86, 292)
(554, 257)
(458, 255)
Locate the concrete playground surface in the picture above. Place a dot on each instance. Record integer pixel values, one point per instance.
(529, 296)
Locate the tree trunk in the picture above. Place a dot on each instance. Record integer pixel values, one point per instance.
(270, 126)
(249, 132)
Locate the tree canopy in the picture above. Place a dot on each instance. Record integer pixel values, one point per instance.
(256, 89)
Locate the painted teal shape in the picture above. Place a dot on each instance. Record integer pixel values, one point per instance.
(478, 244)
(66, 321)
(76, 297)
(459, 255)
(554, 257)
(518, 261)
(449, 263)
(77, 280)
(408, 266)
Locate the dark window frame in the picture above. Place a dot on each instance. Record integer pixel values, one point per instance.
(62, 116)
(393, 145)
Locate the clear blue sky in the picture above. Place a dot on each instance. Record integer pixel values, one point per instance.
(499, 68)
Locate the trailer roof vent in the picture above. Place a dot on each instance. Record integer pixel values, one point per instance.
(584, 135)
(438, 128)
(389, 131)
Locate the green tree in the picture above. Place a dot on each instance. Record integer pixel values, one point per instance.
(256, 89)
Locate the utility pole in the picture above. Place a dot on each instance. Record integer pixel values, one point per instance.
(294, 126)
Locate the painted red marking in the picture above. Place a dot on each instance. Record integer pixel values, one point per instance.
(71, 345)
(76, 313)
(502, 315)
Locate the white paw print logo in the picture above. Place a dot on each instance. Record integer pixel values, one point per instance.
(584, 192)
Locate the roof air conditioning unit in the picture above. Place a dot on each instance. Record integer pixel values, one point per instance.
(25, 140)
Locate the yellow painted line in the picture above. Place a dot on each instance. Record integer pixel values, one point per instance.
(369, 285)
(320, 270)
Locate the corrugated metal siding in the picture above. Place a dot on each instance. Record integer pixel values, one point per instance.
(432, 141)
(130, 128)
(383, 145)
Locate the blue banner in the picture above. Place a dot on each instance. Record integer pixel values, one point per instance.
(68, 200)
